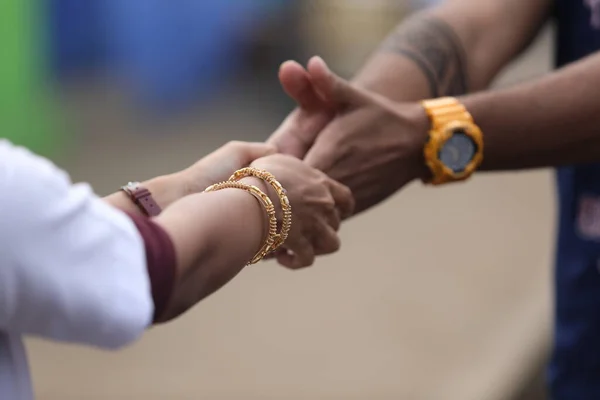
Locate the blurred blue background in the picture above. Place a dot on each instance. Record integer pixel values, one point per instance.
(168, 52)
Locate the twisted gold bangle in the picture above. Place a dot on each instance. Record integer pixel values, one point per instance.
(267, 204)
(286, 207)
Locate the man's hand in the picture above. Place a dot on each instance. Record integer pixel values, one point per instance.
(372, 145)
(296, 135)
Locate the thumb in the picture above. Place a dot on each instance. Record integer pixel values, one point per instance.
(253, 151)
(321, 156)
(296, 83)
(332, 88)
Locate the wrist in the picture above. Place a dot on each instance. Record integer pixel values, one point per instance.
(386, 75)
(259, 183)
(420, 125)
(266, 189)
(167, 189)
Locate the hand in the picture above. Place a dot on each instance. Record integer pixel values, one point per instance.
(296, 135)
(373, 145)
(219, 165)
(215, 167)
(318, 206)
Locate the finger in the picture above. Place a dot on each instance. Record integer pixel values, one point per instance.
(299, 130)
(332, 88)
(326, 241)
(255, 151)
(320, 155)
(296, 135)
(334, 219)
(344, 200)
(273, 255)
(302, 255)
(296, 83)
(338, 92)
(289, 138)
(325, 150)
(246, 152)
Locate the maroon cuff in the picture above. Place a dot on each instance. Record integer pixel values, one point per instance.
(161, 261)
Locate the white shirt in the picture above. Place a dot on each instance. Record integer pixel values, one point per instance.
(72, 268)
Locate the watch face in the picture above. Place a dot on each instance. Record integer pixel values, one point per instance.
(458, 151)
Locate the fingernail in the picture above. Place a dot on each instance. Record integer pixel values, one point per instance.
(288, 62)
(319, 60)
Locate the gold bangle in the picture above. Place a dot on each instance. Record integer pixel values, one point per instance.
(286, 207)
(267, 204)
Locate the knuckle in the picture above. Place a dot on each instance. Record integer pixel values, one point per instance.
(322, 180)
(302, 264)
(351, 202)
(346, 192)
(336, 221)
(328, 205)
(336, 243)
(306, 260)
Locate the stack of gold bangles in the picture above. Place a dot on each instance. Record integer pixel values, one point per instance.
(274, 239)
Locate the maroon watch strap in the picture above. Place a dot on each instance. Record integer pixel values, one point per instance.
(142, 198)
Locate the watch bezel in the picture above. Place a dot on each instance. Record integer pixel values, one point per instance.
(438, 139)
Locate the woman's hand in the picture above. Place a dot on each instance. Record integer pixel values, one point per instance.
(215, 167)
(222, 163)
(215, 234)
(318, 206)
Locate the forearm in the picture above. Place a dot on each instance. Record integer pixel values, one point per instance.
(452, 49)
(551, 122)
(216, 232)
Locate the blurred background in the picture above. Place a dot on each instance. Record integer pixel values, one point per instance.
(436, 294)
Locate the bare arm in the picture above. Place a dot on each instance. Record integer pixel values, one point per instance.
(453, 48)
(165, 191)
(214, 235)
(551, 122)
(215, 167)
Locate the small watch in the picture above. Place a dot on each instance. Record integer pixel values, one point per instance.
(142, 198)
(454, 149)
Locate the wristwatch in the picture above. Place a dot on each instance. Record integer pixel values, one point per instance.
(454, 149)
(142, 198)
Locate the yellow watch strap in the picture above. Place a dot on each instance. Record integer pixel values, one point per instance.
(445, 109)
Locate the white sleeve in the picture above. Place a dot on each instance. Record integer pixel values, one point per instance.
(72, 268)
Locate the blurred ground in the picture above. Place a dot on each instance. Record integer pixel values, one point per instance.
(438, 294)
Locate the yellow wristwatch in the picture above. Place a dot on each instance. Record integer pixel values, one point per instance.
(454, 149)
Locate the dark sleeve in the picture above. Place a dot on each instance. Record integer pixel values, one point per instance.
(161, 261)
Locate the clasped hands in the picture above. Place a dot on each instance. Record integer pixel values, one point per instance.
(342, 150)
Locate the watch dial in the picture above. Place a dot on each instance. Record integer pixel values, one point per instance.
(458, 152)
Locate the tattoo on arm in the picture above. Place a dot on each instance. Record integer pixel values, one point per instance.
(434, 47)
